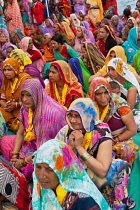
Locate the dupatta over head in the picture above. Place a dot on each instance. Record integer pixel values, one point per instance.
(48, 116)
(69, 78)
(121, 67)
(72, 177)
(115, 101)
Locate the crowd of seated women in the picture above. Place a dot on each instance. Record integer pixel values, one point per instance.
(69, 106)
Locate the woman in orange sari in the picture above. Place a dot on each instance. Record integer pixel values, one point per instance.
(63, 85)
(10, 97)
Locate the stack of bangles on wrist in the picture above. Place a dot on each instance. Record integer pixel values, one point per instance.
(23, 162)
(85, 156)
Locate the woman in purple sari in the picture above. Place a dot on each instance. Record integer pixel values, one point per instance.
(49, 26)
(40, 120)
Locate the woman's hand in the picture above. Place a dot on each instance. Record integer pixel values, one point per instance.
(17, 163)
(76, 139)
(10, 106)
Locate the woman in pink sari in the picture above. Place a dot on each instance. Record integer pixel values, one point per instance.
(26, 44)
(13, 16)
(40, 118)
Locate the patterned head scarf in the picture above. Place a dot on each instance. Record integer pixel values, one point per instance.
(121, 67)
(87, 111)
(65, 72)
(96, 84)
(115, 101)
(21, 57)
(71, 175)
(68, 30)
(33, 71)
(13, 64)
(46, 112)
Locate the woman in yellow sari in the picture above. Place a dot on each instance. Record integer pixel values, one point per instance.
(95, 10)
(10, 97)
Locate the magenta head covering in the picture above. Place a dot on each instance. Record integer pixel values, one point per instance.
(49, 116)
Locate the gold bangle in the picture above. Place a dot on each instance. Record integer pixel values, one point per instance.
(21, 163)
(15, 153)
(85, 156)
(26, 160)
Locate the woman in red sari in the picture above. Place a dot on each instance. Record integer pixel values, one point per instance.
(106, 40)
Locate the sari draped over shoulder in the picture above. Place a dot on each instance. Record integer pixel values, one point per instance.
(74, 88)
(119, 170)
(24, 46)
(112, 114)
(72, 178)
(48, 119)
(66, 54)
(8, 94)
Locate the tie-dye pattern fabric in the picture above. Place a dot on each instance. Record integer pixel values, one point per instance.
(72, 176)
(114, 185)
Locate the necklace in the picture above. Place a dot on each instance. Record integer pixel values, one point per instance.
(61, 99)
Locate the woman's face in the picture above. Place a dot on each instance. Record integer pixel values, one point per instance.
(103, 34)
(54, 75)
(79, 33)
(130, 24)
(47, 22)
(55, 45)
(55, 28)
(84, 53)
(8, 51)
(113, 74)
(112, 55)
(134, 14)
(102, 97)
(9, 73)
(30, 45)
(75, 120)
(114, 21)
(86, 18)
(46, 176)
(27, 99)
(2, 38)
(47, 39)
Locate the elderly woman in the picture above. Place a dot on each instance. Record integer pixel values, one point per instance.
(34, 54)
(62, 183)
(10, 97)
(91, 141)
(115, 111)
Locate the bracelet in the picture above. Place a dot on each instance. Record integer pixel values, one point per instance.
(15, 153)
(85, 156)
(21, 164)
(26, 160)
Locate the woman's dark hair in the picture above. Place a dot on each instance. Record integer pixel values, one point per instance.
(58, 38)
(105, 28)
(127, 12)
